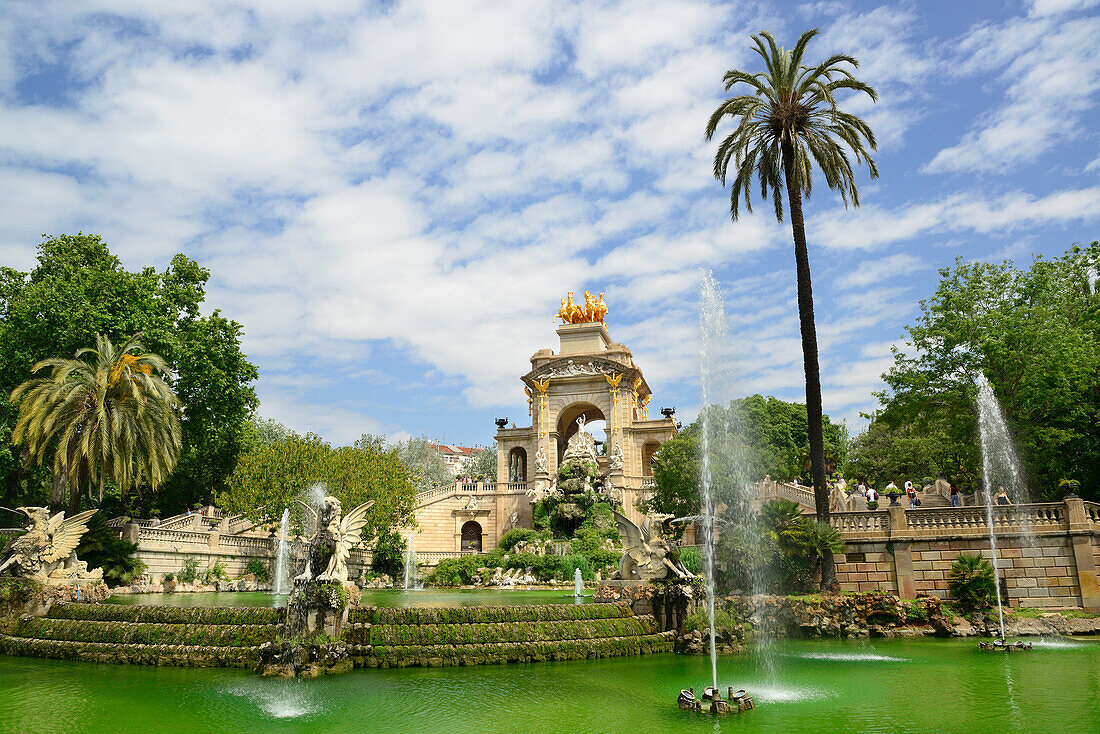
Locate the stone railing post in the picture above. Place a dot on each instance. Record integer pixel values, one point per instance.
(898, 522)
(131, 532)
(1081, 538)
(903, 557)
(213, 540)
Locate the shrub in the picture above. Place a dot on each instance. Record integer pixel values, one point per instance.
(215, 573)
(258, 568)
(168, 577)
(190, 570)
(692, 559)
(509, 540)
(455, 571)
(389, 554)
(972, 581)
(102, 548)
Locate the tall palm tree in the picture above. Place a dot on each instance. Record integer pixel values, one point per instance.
(107, 416)
(788, 122)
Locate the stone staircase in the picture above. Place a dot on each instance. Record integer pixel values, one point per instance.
(227, 637)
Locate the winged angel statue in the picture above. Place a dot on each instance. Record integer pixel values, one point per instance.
(647, 555)
(333, 539)
(48, 549)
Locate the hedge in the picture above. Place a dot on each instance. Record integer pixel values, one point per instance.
(82, 630)
(510, 652)
(480, 615)
(167, 615)
(108, 652)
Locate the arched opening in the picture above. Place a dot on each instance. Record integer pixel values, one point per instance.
(517, 465)
(647, 457)
(595, 423)
(471, 536)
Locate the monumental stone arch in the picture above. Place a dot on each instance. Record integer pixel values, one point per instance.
(593, 376)
(589, 375)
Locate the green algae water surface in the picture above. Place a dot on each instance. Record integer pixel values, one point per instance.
(889, 686)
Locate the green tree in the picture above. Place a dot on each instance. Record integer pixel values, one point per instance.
(79, 289)
(753, 437)
(788, 123)
(108, 419)
(270, 478)
(1035, 334)
(426, 465)
(482, 463)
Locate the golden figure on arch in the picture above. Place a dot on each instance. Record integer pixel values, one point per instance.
(593, 311)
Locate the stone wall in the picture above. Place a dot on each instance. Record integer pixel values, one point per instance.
(166, 550)
(1049, 553)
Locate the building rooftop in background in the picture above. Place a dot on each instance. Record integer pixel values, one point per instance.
(454, 456)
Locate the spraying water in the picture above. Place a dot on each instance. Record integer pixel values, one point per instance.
(711, 322)
(282, 558)
(722, 454)
(1000, 468)
(578, 584)
(410, 566)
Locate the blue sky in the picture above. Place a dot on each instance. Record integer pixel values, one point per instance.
(393, 197)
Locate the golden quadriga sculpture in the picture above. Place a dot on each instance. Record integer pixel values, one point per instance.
(593, 311)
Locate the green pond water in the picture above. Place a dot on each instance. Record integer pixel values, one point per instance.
(890, 686)
(371, 597)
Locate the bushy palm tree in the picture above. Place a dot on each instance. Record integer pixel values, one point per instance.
(788, 124)
(105, 416)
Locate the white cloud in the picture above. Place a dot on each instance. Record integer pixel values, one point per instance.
(886, 269)
(1051, 74)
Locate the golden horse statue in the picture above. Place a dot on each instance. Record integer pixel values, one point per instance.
(594, 309)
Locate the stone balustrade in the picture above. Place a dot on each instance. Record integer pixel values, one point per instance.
(1048, 552)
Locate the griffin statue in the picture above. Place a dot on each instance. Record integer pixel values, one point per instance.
(48, 549)
(333, 539)
(647, 556)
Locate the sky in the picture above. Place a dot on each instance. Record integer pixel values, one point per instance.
(393, 197)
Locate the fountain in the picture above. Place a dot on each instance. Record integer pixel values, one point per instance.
(716, 382)
(410, 567)
(578, 584)
(282, 557)
(1000, 467)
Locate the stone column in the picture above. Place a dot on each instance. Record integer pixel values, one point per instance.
(1082, 540)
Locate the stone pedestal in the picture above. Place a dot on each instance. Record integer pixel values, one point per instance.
(319, 609)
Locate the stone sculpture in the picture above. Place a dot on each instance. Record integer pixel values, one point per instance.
(616, 460)
(333, 539)
(47, 551)
(647, 556)
(540, 461)
(581, 444)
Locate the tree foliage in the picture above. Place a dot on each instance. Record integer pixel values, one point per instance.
(1035, 334)
(78, 289)
(482, 464)
(110, 418)
(271, 478)
(750, 438)
(425, 464)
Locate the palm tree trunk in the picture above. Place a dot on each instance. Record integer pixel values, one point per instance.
(57, 490)
(809, 359)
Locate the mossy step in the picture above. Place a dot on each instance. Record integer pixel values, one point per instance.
(495, 632)
(146, 633)
(483, 615)
(188, 656)
(401, 656)
(166, 614)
